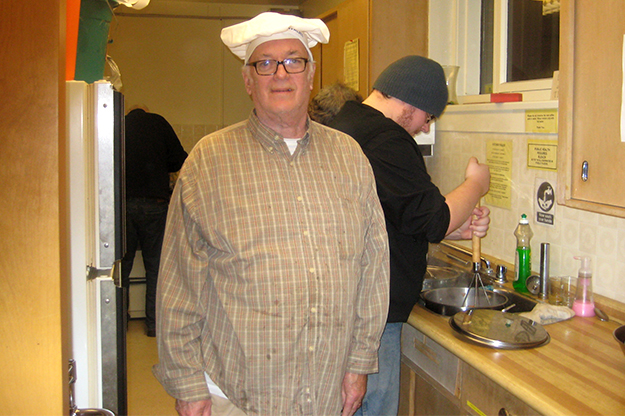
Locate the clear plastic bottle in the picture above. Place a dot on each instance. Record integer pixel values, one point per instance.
(584, 304)
(523, 257)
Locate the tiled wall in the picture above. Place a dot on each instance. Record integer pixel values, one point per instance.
(575, 232)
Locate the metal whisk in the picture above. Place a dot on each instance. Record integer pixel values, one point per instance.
(476, 281)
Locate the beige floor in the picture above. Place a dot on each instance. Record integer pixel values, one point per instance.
(146, 397)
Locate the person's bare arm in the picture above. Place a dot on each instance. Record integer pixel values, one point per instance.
(462, 200)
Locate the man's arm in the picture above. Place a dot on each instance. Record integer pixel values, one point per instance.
(462, 200)
(180, 313)
(372, 299)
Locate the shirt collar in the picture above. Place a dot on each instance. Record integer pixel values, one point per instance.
(268, 138)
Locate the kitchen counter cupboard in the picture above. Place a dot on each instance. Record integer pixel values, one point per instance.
(581, 371)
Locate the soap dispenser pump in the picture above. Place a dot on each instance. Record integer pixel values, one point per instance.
(584, 304)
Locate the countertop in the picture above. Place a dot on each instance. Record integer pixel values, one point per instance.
(581, 371)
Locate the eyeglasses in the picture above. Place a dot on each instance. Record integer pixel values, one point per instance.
(270, 66)
(431, 118)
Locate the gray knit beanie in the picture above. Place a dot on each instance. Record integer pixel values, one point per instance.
(417, 81)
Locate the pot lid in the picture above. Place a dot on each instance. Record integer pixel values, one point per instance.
(498, 329)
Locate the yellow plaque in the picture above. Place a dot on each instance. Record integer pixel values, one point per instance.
(542, 154)
(351, 66)
(499, 160)
(541, 121)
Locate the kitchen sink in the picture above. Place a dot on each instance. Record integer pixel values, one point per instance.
(441, 275)
(522, 303)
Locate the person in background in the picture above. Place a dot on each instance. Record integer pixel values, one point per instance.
(273, 287)
(329, 100)
(152, 152)
(407, 96)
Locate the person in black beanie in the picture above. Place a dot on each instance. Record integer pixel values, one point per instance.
(407, 96)
(152, 152)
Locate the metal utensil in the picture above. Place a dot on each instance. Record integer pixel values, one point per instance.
(476, 245)
(602, 315)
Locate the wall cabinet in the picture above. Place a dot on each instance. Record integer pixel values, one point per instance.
(590, 100)
(436, 382)
(385, 31)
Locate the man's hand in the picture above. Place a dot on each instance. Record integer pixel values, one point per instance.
(479, 173)
(353, 391)
(201, 408)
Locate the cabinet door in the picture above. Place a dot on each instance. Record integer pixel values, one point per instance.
(481, 396)
(591, 95)
(421, 395)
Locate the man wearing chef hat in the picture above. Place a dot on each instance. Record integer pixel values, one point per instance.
(273, 287)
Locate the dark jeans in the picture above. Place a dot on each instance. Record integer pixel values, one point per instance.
(145, 227)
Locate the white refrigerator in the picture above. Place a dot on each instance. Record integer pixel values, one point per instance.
(95, 160)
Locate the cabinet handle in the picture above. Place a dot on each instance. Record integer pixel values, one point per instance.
(585, 170)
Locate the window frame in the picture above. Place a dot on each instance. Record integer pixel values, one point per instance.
(454, 39)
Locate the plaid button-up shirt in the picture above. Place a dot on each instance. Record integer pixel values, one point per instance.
(274, 271)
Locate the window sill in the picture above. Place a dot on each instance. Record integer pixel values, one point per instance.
(490, 117)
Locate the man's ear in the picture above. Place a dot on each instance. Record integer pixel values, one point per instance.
(247, 80)
(311, 74)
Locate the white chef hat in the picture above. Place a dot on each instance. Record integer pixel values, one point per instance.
(244, 37)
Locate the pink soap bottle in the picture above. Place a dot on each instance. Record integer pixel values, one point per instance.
(584, 304)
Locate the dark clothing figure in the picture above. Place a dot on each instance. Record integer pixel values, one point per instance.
(153, 151)
(415, 210)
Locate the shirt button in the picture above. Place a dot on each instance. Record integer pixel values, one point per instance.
(311, 348)
(299, 198)
(306, 233)
(313, 309)
(312, 270)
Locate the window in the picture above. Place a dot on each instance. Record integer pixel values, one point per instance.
(500, 45)
(528, 35)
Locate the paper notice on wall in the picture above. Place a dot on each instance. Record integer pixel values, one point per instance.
(351, 67)
(623, 95)
(499, 160)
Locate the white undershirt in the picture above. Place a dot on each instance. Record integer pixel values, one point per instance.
(213, 388)
(291, 144)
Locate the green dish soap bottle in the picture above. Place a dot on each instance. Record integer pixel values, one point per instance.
(523, 257)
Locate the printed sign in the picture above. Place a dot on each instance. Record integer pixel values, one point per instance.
(545, 205)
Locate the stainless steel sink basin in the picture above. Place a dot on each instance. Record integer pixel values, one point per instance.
(441, 275)
(522, 303)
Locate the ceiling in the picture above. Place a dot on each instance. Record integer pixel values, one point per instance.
(261, 2)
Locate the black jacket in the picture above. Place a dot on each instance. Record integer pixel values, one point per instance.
(152, 152)
(416, 212)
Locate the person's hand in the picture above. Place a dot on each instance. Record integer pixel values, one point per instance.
(477, 223)
(480, 221)
(479, 173)
(353, 391)
(200, 408)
